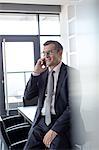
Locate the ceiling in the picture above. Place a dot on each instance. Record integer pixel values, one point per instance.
(45, 2)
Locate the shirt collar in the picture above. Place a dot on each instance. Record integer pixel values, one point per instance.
(56, 68)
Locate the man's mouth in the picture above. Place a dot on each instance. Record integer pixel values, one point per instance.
(48, 62)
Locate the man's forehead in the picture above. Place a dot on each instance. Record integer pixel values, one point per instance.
(49, 47)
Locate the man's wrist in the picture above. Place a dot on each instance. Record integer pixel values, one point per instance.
(54, 132)
(34, 73)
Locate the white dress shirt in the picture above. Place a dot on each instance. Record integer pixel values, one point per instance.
(56, 73)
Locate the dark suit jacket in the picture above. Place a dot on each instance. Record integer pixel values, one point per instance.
(64, 98)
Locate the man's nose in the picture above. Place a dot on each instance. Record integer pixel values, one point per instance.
(46, 55)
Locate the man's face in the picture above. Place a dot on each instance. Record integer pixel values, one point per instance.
(52, 56)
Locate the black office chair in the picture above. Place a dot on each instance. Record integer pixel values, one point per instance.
(12, 120)
(15, 128)
(16, 137)
(17, 120)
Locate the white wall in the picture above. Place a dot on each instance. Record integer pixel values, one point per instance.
(88, 50)
(63, 25)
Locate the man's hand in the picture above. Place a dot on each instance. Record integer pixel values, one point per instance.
(39, 66)
(49, 137)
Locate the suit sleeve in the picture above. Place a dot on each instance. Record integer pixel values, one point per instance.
(31, 89)
(62, 124)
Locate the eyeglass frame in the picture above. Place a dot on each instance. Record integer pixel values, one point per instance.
(49, 52)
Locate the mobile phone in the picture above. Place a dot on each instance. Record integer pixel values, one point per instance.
(44, 62)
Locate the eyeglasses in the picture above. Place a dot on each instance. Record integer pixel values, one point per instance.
(48, 53)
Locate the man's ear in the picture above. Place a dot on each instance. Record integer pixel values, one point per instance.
(60, 52)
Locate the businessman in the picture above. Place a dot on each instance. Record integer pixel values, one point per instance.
(56, 86)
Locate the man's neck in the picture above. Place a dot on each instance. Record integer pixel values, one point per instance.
(52, 67)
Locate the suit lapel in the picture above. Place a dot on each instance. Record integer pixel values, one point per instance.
(43, 86)
(45, 76)
(62, 75)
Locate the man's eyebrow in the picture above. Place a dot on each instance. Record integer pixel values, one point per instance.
(47, 50)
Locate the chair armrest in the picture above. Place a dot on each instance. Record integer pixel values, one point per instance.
(18, 134)
(10, 117)
(12, 120)
(18, 145)
(16, 126)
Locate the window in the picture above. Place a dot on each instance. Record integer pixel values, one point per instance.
(21, 53)
(49, 28)
(18, 24)
(49, 25)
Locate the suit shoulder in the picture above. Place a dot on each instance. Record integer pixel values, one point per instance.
(72, 70)
(73, 73)
(69, 69)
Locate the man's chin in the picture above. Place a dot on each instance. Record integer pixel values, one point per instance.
(48, 64)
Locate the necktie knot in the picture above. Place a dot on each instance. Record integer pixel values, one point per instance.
(51, 72)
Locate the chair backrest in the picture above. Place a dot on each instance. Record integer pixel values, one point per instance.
(32, 102)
